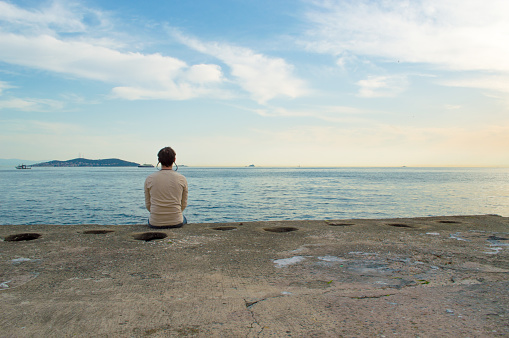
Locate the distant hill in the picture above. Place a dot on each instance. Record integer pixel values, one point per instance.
(83, 162)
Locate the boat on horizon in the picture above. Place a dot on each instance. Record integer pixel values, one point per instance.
(23, 166)
(145, 166)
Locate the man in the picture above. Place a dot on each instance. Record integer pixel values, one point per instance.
(166, 193)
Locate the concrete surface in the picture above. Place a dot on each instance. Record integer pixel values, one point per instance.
(418, 277)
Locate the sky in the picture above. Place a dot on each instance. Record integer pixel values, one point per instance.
(265, 82)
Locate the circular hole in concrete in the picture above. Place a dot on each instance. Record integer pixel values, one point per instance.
(22, 237)
(281, 229)
(225, 228)
(449, 222)
(399, 225)
(339, 224)
(496, 238)
(150, 236)
(97, 232)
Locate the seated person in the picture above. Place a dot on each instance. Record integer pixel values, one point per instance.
(166, 193)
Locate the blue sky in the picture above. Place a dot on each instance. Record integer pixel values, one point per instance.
(270, 83)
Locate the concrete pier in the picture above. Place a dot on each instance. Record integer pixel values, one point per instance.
(415, 277)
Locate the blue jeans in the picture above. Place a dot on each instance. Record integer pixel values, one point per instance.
(180, 225)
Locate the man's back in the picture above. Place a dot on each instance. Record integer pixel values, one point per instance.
(165, 197)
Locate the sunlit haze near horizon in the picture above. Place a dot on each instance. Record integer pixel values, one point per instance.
(264, 82)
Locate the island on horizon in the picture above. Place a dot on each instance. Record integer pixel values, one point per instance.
(83, 162)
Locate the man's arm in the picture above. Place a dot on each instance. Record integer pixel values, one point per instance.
(147, 196)
(183, 204)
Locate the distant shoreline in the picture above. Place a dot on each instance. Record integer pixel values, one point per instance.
(83, 162)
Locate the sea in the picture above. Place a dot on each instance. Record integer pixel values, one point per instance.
(104, 195)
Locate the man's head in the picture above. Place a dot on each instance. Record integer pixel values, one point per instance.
(166, 156)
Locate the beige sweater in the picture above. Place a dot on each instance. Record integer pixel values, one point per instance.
(165, 197)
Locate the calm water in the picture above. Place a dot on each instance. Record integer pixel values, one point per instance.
(115, 195)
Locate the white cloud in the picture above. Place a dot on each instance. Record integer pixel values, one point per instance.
(334, 114)
(262, 76)
(140, 76)
(452, 34)
(27, 104)
(35, 127)
(499, 83)
(452, 106)
(4, 86)
(204, 74)
(53, 17)
(41, 105)
(33, 40)
(382, 86)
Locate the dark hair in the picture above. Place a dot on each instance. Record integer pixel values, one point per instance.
(166, 156)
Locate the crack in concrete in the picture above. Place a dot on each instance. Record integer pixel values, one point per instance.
(255, 321)
(249, 305)
(370, 297)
